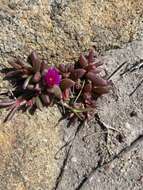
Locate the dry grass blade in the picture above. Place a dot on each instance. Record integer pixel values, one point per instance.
(27, 82)
(136, 88)
(11, 114)
(80, 92)
(116, 70)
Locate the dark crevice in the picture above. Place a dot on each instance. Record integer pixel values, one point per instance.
(59, 178)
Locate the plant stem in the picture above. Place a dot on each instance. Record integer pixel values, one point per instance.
(80, 92)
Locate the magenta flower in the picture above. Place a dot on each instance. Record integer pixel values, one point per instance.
(52, 77)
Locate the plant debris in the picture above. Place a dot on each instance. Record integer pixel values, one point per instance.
(75, 88)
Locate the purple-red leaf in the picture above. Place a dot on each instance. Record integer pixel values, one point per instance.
(44, 65)
(65, 94)
(45, 98)
(78, 73)
(38, 103)
(67, 83)
(62, 68)
(91, 56)
(14, 64)
(21, 63)
(96, 70)
(87, 87)
(36, 62)
(70, 67)
(13, 73)
(87, 96)
(36, 77)
(96, 79)
(56, 91)
(83, 61)
(101, 90)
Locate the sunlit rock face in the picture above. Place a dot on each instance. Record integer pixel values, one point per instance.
(60, 31)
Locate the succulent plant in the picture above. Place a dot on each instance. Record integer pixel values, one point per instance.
(35, 84)
(84, 83)
(75, 87)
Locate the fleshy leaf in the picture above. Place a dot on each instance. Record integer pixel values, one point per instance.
(44, 65)
(67, 83)
(45, 98)
(65, 94)
(56, 91)
(87, 87)
(62, 68)
(78, 73)
(22, 63)
(96, 79)
(87, 96)
(14, 64)
(83, 61)
(101, 90)
(36, 62)
(36, 77)
(38, 103)
(91, 56)
(13, 74)
(70, 67)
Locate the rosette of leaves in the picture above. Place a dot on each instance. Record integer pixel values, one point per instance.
(36, 85)
(83, 83)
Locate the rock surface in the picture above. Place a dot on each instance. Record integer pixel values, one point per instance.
(29, 145)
